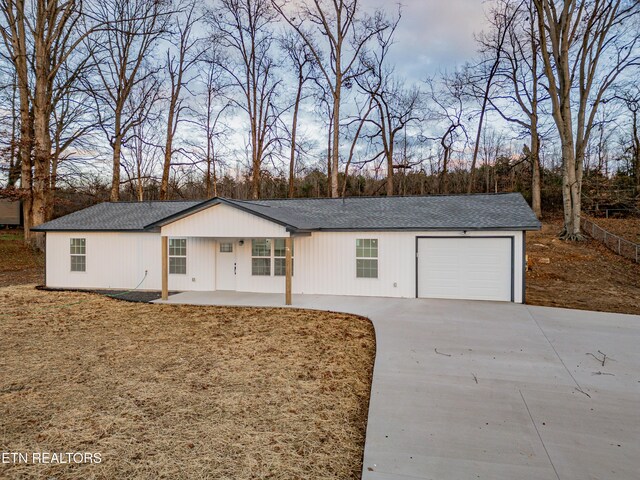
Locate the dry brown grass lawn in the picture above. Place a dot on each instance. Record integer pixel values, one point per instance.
(18, 263)
(175, 392)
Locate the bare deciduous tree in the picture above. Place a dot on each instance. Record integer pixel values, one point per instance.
(178, 66)
(303, 62)
(585, 46)
(397, 106)
(209, 119)
(244, 32)
(517, 97)
(502, 16)
(629, 97)
(448, 109)
(346, 32)
(122, 56)
(41, 38)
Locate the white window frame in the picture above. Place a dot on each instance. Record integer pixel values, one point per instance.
(186, 252)
(75, 254)
(365, 254)
(267, 257)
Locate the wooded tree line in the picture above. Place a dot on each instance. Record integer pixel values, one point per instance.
(160, 99)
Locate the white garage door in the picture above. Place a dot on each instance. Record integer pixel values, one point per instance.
(468, 268)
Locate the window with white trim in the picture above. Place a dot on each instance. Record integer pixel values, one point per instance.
(226, 247)
(280, 257)
(178, 256)
(367, 258)
(78, 250)
(261, 257)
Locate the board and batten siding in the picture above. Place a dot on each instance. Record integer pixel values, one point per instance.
(119, 260)
(224, 221)
(324, 263)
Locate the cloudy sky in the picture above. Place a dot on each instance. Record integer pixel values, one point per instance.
(433, 35)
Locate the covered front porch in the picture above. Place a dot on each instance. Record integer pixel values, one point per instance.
(224, 247)
(228, 265)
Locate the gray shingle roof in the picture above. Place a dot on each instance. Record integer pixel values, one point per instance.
(412, 213)
(121, 216)
(453, 212)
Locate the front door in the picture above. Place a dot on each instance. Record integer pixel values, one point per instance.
(226, 265)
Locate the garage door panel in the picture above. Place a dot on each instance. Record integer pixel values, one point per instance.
(472, 268)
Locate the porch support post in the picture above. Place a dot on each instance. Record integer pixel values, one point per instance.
(288, 246)
(165, 268)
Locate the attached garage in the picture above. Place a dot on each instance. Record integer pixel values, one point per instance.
(469, 268)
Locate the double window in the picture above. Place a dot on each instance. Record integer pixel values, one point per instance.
(262, 255)
(367, 258)
(178, 256)
(78, 255)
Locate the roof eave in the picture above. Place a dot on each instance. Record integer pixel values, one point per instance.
(104, 230)
(426, 229)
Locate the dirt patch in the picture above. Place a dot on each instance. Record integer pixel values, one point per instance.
(627, 228)
(582, 275)
(19, 264)
(169, 391)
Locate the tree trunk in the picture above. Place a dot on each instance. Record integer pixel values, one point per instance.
(636, 153)
(166, 168)
(472, 174)
(115, 178)
(444, 177)
(536, 201)
(335, 164)
(53, 181)
(140, 190)
(26, 176)
(14, 152)
(255, 180)
(41, 136)
(41, 160)
(294, 130)
(208, 179)
(390, 173)
(329, 158)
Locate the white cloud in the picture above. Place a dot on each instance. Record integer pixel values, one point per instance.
(433, 35)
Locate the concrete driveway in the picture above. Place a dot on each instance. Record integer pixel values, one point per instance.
(480, 390)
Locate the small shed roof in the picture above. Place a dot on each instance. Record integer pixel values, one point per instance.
(438, 212)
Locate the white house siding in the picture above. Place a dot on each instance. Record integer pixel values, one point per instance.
(224, 221)
(324, 263)
(328, 265)
(119, 260)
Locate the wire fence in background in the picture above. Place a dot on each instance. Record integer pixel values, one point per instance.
(613, 242)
